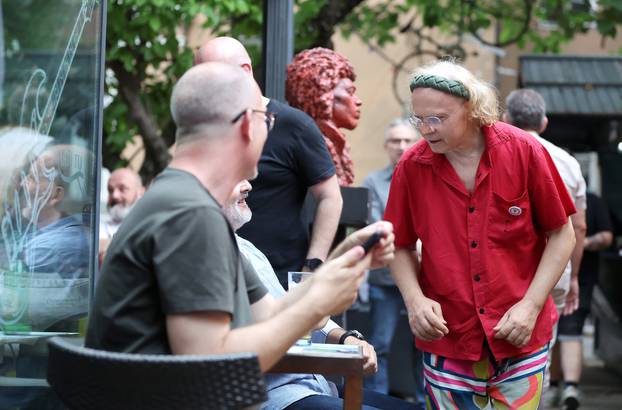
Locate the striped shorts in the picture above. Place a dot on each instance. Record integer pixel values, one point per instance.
(514, 383)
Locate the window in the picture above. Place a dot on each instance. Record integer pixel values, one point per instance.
(50, 121)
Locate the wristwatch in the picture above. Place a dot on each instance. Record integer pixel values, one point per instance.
(313, 264)
(353, 333)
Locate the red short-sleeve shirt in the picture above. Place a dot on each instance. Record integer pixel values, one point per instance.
(480, 250)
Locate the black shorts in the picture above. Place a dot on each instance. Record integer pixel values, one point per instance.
(572, 325)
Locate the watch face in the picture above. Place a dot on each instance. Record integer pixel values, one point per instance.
(353, 333)
(357, 334)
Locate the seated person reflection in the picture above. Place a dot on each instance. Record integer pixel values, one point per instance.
(299, 391)
(48, 253)
(58, 243)
(47, 288)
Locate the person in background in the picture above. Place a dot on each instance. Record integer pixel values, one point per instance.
(492, 214)
(568, 354)
(302, 391)
(384, 297)
(526, 109)
(294, 161)
(124, 188)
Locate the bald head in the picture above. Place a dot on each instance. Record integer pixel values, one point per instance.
(207, 97)
(226, 50)
(124, 188)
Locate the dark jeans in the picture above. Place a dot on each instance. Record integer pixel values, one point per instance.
(371, 401)
(386, 304)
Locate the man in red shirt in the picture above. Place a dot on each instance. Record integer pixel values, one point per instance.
(492, 214)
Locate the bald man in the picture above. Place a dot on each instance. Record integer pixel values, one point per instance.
(173, 281)
(124, 189)
(294, 160)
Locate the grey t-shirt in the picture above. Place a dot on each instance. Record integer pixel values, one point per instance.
(174, 253)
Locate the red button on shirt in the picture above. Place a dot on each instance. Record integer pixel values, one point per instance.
(519, 196)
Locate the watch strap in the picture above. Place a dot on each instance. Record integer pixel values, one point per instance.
(353, 333)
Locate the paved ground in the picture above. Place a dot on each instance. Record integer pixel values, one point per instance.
(601, 387)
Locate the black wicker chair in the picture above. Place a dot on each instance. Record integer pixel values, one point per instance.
(88, 379)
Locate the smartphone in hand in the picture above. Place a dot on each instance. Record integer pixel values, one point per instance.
(371, 241)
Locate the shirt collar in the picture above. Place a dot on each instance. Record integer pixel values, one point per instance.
(387, 172)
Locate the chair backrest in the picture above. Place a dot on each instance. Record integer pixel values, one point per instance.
(89, 379)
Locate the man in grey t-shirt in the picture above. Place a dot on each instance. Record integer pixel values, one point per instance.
(173, 281)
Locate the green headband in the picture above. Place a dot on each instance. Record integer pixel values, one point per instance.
(452, 87)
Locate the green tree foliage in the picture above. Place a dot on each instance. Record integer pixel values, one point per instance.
(147, 52)
(516, 21)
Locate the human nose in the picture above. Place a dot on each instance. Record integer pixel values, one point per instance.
(115, 194)
(425, 128)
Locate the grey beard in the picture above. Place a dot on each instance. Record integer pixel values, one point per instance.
(118, 212)
(237, 217)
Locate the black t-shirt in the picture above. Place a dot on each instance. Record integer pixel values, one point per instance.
(174, 253)
(294, 158)
(597, 220)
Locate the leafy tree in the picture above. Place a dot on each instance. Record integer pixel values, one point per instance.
(146, 54)
(146, 49)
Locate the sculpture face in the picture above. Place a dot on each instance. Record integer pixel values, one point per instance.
(313, 77)
(346, 105)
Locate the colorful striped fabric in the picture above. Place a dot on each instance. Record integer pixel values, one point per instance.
(514, 383)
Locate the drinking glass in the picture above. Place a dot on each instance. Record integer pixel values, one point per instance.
(293, 280)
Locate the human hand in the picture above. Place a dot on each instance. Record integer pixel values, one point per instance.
(382, 253)
(370, 364)
(334, 285)
(589, 244)
(572, 298)
(426, 320)
(517, 323)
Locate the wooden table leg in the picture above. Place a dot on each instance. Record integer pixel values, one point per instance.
(353, 393)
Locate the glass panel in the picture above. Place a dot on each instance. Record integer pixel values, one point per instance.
(50, 121)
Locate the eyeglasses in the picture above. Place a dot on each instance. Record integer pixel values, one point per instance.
(269, 117)
(432, 121)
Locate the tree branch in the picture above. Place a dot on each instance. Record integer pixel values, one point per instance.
(330, 15)
(155, 146)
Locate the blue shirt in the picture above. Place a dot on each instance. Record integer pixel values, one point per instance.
(285, 389)
(378, 183)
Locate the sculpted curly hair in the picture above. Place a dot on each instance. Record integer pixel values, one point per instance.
(311, 78)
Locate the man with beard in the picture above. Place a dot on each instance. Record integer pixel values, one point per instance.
(302, 391)
(124, 189)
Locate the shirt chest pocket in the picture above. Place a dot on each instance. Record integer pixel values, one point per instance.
(510, 221)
